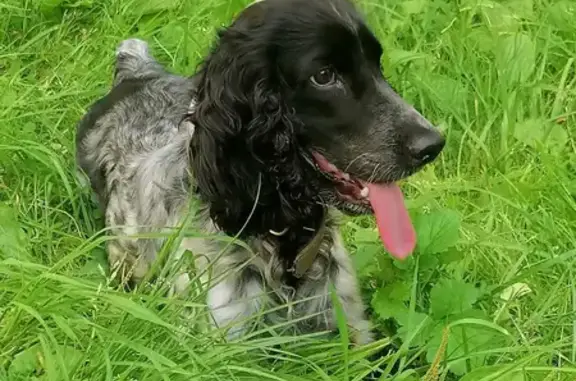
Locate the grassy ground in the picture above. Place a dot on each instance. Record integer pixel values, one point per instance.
(490, 295)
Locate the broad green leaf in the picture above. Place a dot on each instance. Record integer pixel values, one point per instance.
(13, 240)
(515, 57)
(81, 4)
(398, 290)
(9, 96)
(470, 316)
(408, 319)
(467, 339)
(412, 321)
(406, 264)
(451, 255)
(369, 235)
(388, 301)
(386, 306)
(144, 7)
(428, 262)
(481, 39)
(495, 16)
(463, 344)
(368, 246)
(454, 349)
(521, 8)
(451, 297)
(477, 3)
(25, 362)
(561, 15)
(448, 93)
(364, 258)
(499, 18)
(437, 231)
(414, 6)
(387, 271)
(47, 6)
(480, 323)
(97, 266)
(171, 36)
(539, 133)
(72, 357)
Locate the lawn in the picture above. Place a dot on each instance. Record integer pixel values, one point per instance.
(490, 293)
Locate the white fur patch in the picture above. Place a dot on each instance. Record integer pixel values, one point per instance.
(230, 305)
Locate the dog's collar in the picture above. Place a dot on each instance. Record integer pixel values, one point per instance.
(308, 254)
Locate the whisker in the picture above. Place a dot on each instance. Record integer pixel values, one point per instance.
(353, 160)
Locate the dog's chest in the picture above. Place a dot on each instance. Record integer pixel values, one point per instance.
(278, 263)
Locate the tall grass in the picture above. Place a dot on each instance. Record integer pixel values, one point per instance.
(497, 77)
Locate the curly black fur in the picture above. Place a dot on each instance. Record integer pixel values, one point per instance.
(249, 145)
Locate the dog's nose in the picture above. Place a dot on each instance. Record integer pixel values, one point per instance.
(426, 146)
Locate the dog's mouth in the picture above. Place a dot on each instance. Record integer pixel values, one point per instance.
(348, 189)
(384, 200)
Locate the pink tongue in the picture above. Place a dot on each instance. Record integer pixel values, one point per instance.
(394, 225)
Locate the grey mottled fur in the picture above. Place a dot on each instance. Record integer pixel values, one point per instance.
(133, 146)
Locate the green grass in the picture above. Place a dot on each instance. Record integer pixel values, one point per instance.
(497, 209)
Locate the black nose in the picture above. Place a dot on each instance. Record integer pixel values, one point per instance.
(426, 145)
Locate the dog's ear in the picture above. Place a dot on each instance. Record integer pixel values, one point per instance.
(252, 16)
(245, 138)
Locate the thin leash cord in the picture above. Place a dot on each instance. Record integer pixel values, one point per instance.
(235, 237)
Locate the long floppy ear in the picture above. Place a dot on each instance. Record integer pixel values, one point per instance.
(245, 136)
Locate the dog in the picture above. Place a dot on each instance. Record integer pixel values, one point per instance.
(287, 124)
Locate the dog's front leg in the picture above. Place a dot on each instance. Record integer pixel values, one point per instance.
(232, 302)
(353, 308)
(346, 287)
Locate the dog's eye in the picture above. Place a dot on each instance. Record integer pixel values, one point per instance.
(325, 77)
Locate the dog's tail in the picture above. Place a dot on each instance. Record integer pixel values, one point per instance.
(133, 61)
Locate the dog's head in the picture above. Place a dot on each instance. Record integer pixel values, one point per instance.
(294, 92)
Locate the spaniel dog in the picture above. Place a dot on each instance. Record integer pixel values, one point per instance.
(288, 122)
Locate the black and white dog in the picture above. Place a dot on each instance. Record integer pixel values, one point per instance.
(288, 120)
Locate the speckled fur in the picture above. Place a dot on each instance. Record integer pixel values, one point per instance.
(134, 147)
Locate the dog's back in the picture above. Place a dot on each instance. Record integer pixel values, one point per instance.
(135, 120)
(133, 146)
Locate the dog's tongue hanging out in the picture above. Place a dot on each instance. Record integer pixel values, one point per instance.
(394, 225)
(387, 201)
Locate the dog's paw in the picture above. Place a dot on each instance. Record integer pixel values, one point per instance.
(361, 332)
(363, 337)
(133, 47)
